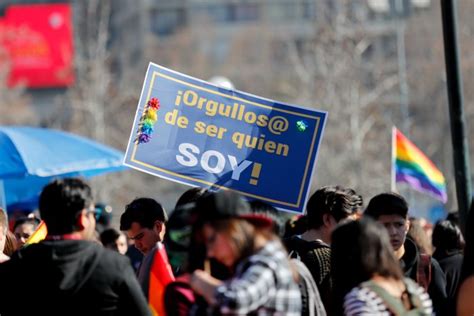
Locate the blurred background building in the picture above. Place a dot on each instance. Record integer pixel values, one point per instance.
(371, 64)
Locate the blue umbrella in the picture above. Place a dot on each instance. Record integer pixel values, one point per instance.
(30, 157)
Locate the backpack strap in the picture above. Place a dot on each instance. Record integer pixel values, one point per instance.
(415, 299)
(394, 305)
(423, 273)
(310, 297)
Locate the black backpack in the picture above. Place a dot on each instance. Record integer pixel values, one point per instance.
(306, 251)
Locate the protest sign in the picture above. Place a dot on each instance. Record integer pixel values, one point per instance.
(190, 131)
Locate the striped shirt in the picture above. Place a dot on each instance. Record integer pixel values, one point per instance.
(263, 284)
(362, 301)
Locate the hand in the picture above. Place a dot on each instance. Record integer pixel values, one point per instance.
(205, 285)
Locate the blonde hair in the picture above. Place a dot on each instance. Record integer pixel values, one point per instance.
(10, 244)
(3, 221)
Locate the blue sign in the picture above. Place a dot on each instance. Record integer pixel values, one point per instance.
(193, 132)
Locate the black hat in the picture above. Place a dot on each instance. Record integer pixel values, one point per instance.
(227, 205)
(179, 227)
(389, 203)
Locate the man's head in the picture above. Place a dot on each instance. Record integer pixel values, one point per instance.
(114, 240)
(328, 206)
(391, 209)
(144, 220)
(3, 229)
(447, 237)
(66, 206)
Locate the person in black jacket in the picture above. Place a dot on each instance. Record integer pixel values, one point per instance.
(67, 274)
(327, 207)
(391, 209)
(144, 222)
(449, 245)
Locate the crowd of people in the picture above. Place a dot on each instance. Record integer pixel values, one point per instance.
(233, 257)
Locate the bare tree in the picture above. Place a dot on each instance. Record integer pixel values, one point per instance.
(334, 71)
(13, 101)
(344, 64)
(103, 101)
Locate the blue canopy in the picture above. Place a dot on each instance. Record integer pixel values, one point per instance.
(30, 157)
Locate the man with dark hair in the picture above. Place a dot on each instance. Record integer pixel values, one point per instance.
(144, 222)
(327, 207)
(391, 210)
(72, 275)
(449, 243)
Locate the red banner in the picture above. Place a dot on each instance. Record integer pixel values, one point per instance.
(37, 45)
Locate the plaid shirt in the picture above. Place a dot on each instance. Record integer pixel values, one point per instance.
(263, 284)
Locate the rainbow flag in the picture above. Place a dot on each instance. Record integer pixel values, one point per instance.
(411, 166)
(161, 275)
(38, 235)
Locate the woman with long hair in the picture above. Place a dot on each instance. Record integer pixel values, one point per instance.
(262, 280)
(368, 279)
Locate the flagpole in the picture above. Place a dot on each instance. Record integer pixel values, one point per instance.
(459, 137)
(394, 157)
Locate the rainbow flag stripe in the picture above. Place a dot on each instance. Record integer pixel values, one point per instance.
(161, 275)
(411, 166)
(38, 235)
